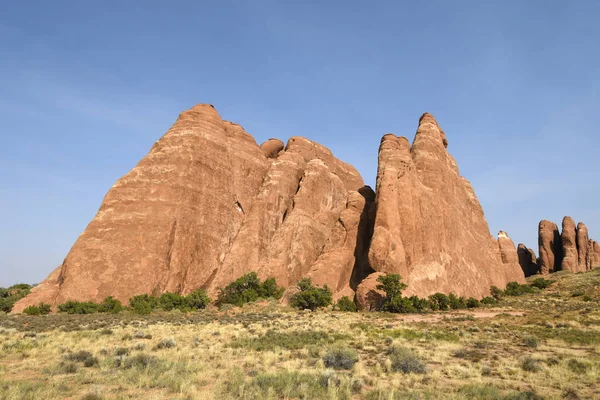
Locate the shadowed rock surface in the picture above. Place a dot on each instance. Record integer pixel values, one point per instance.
(550, 247)
(582, 247)
(527, 260)
(568, 239)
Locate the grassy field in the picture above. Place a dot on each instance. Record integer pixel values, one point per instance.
(538, 346)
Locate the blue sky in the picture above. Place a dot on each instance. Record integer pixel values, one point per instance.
(87, 87)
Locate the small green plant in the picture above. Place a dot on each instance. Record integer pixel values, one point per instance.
(140, 361)
(166, 344)
(249, 288)
(340, 357)
(457, 303)
(531, 342)
(345, 304)
(406, 361)
(489, 301)
(530, 364)
(311, 297)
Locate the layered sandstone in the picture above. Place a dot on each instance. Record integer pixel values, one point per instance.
(207, 205)
(429, 226)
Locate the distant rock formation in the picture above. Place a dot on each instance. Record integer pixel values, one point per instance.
(527, 260)
(571, 250)
(208, 205)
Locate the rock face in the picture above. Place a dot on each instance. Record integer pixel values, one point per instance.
(208, 205)
(568, 237)
(549, 240)
(582, 247)
(527, 260)
(593, 252)
(429, 226)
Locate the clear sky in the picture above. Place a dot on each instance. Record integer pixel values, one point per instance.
(87, 87)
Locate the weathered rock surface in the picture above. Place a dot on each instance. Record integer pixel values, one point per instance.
(367, 295)
(549, 240)
(527, 260)
(429, 225)
(207, 205)
(568, 239)
(582, 247)
(593, 259)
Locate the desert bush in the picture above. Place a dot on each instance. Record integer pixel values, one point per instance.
(140, 361)
(9, 296)
(345, 304)
(473, 303)
(405, 360)
(111, 305)
(530, 364)
(577, 366)
(392, 286)
(440, 300)
(143, 303)
(32, 310)
(340, 357)
(311, 297)
(172, 301)
(421, 305)
(79, 307)
(165, 344)
(531, 341)
(249, 288)
(489, 301)
(67, 367)
(516, 289)
(542, 283)
(45, 309)
(496, 293)
(457, 303)
(198, 299)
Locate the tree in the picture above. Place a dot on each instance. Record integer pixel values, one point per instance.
(311, 297)
(249, 288)
(441, 300)
(345, 304)
(198, 299)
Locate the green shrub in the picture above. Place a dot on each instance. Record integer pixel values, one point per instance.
(45, 309)
(496, 293)
(249, 288)
(143, 303)
(198, 299)
(9, 296)
(32, 310)
(345, 304)
(79, 307)
(531, 341)
(406, 361)
(392, 286)
(489, 301)
(311, 297)
(419, 304)
(457, 303)
(530, 364)
(140, 361)
(516, 289)
(172, 301)
(110, 305)
(473, 303)
(440, 300)
(542, 283)
(339, 357)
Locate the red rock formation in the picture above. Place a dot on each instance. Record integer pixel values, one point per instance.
(593, 259)
(207, 205)
(429, 225)
(527, 260)
(568, 239)
(550, 247)
(367, 296)
(582, 247)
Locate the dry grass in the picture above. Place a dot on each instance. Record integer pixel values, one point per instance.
(549, 351)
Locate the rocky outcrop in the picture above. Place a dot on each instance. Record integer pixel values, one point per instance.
(568, 238)
(593, 252)
(549, 240)
(367, 296)
(582, 247)
(527, 260)
(429, 226)
(207, 205)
